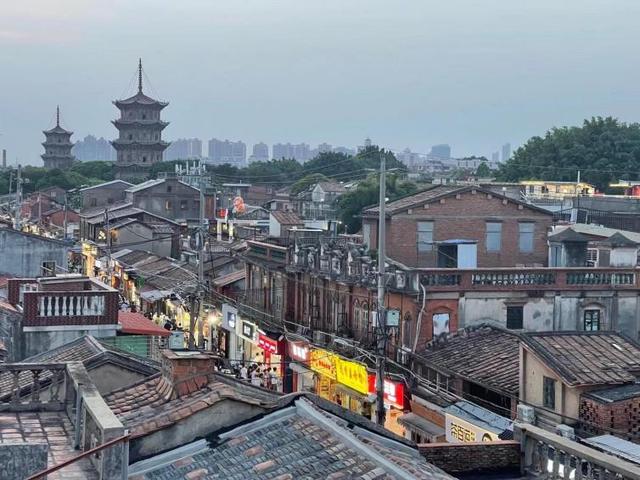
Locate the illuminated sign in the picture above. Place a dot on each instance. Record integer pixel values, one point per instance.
(268, 344)
(393, 391)
(461, 431)
(352, 374)
(229, 317)
(299, 351)
(323, 362)
(248, 331)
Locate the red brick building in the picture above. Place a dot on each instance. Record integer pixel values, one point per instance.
(461, 227)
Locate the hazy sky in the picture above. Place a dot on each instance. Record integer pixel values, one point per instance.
(473, 74)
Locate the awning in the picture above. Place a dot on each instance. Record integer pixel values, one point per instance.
(422, 425)
(365, 398)
(154, 295)
(138, 324)
(296, 367)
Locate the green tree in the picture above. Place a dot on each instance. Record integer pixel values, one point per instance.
(602, 149)
(483, 171)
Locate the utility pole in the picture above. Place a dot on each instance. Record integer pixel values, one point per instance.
(382, 322)
(201, 256)
(17, 220)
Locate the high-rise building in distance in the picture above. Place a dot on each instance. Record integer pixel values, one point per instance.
(506, 152)
(442, 151)
(184, 149)
(225, 151)
(260, 153)
(495, 157)
(91, 149)
(300, 152)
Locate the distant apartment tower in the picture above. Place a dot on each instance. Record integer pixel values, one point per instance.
(324, 148)
(300, 152)
(184, 149)
(441, 151)
(506, 152)
(260, 153)
(91, 148)
(409, 158)
(225, 151)
(344, 150)
(57, 146)
(495, 157)
(139, 144)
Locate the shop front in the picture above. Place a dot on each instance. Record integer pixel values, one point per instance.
(323, 363)
(298, 377)
(394, 402)
(273, 347)
(352, 390)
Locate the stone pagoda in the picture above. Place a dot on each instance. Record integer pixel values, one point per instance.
(140, 143)
(57, 146)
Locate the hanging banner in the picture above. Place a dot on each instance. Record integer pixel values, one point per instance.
(352, 374)
(323, 362)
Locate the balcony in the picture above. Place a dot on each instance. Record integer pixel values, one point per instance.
(530, 279)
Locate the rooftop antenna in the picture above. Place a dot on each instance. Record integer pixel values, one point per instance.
(140, 75)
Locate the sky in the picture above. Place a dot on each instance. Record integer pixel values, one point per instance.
(406, 73)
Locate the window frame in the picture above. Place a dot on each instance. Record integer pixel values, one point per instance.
(488, 232)
(590, 312)
(425, 246)
(510, 308)
(522, 246)
(549, 392)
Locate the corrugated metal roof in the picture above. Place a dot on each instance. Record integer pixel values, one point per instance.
(616, 446)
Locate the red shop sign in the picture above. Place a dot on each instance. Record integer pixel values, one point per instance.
(393, 391)
(268, 344)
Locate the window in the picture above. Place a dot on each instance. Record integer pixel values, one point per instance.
(168, 188)
(49, 269)
(525, 239)
(549, 393)
(592, 257)
(440, 323)
(425, 236)
(514, 317)
(93, 202)
(196, 205)
(184, 204)
(592, 320)
(110, 201)
(144, 159)
(167, 205)
(494, 236)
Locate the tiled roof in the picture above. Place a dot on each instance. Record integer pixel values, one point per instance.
(332, 187)
(287, 218)
(229, 278)
(297, 442)
(485, 355)
(587, 358)
(144, 185)
(136, 323)
(153, 404)
(112, 182)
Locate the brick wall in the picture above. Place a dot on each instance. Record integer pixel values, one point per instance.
(432, 307)
(465, 218)
(482, 457)
(599, 417)
(187, 374)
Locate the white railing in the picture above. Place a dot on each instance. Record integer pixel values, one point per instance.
(70, 305)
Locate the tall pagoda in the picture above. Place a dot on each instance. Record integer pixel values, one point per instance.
(139, 144)
(57, 146)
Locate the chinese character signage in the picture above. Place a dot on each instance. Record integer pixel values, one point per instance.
(248, 331)
(268, 344)
(299, 351)
(323, 362)
(460, 431)
(393, 391)
(352, 374)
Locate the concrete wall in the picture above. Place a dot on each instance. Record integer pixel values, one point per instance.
(134, 235)
(22, 255)
(20, 460)
(52, 337)
(11, 333)
(110, 377)
(104, 195)
(183, 200)
(210, 420)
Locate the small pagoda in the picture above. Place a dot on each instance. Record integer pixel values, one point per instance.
(139, 144)
(57, 146)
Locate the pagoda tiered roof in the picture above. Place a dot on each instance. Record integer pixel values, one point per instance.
(140, 99)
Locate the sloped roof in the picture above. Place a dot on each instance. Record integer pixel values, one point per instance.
(333, 187)
(142, 99)
(569, 235)
(437, 192)
(105, 184)
(604, 232)
(229, 278)
(287, 218)
(136, 323)
(587, 358)
(145, 185)
(485, 355)
(298, 441)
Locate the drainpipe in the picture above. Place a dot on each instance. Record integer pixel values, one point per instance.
(419, 323)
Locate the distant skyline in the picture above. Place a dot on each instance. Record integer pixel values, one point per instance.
(471, 74)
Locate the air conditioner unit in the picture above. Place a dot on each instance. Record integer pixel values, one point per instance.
(566, 431)
(321, 338)
(526, 414)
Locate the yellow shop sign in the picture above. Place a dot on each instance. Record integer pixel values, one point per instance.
(323, 362)
(352, 374)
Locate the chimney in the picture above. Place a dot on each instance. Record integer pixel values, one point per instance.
(186, 370)
(4, 158)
